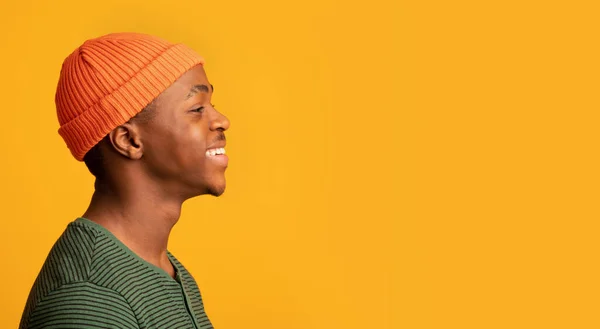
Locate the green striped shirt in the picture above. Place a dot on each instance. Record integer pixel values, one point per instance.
(91, 280)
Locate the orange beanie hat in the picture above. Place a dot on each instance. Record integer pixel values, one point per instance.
(108, 80)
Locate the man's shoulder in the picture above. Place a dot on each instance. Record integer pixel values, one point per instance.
(71, 256)
(69, 262)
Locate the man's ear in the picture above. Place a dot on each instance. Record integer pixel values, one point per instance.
(126, 140)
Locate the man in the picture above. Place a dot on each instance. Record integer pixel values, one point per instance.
(137, 110)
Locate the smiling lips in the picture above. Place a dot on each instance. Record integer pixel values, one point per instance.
(215, 151)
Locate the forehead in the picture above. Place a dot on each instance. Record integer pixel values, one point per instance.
(193, 76)
(181, 87)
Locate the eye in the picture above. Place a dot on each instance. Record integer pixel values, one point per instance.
(199, 109)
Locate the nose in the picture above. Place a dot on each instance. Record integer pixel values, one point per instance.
(220, 122)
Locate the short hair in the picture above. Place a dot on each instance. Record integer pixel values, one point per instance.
(94, 159)
(147, 114)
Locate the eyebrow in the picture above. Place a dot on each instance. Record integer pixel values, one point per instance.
(199, 88)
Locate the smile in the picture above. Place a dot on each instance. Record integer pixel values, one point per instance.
(215, 151)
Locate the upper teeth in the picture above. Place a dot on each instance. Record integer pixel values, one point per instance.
(216, 151)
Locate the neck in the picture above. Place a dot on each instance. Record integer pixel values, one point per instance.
(139, 215)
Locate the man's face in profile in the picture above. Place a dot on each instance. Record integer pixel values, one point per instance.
(184, 140)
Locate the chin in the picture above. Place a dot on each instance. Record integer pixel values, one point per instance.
(211, 190)
(216, 187)
(216, 190)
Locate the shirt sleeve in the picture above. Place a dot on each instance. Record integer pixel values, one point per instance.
(82, 305)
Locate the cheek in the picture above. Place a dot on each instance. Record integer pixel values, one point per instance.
(179, 149)
(191, 144)
(196, 135)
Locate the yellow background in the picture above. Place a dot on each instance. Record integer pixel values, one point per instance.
(394, 164)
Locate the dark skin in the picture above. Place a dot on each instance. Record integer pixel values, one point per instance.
(155, 162)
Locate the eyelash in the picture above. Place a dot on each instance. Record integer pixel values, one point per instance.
(201, 108)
